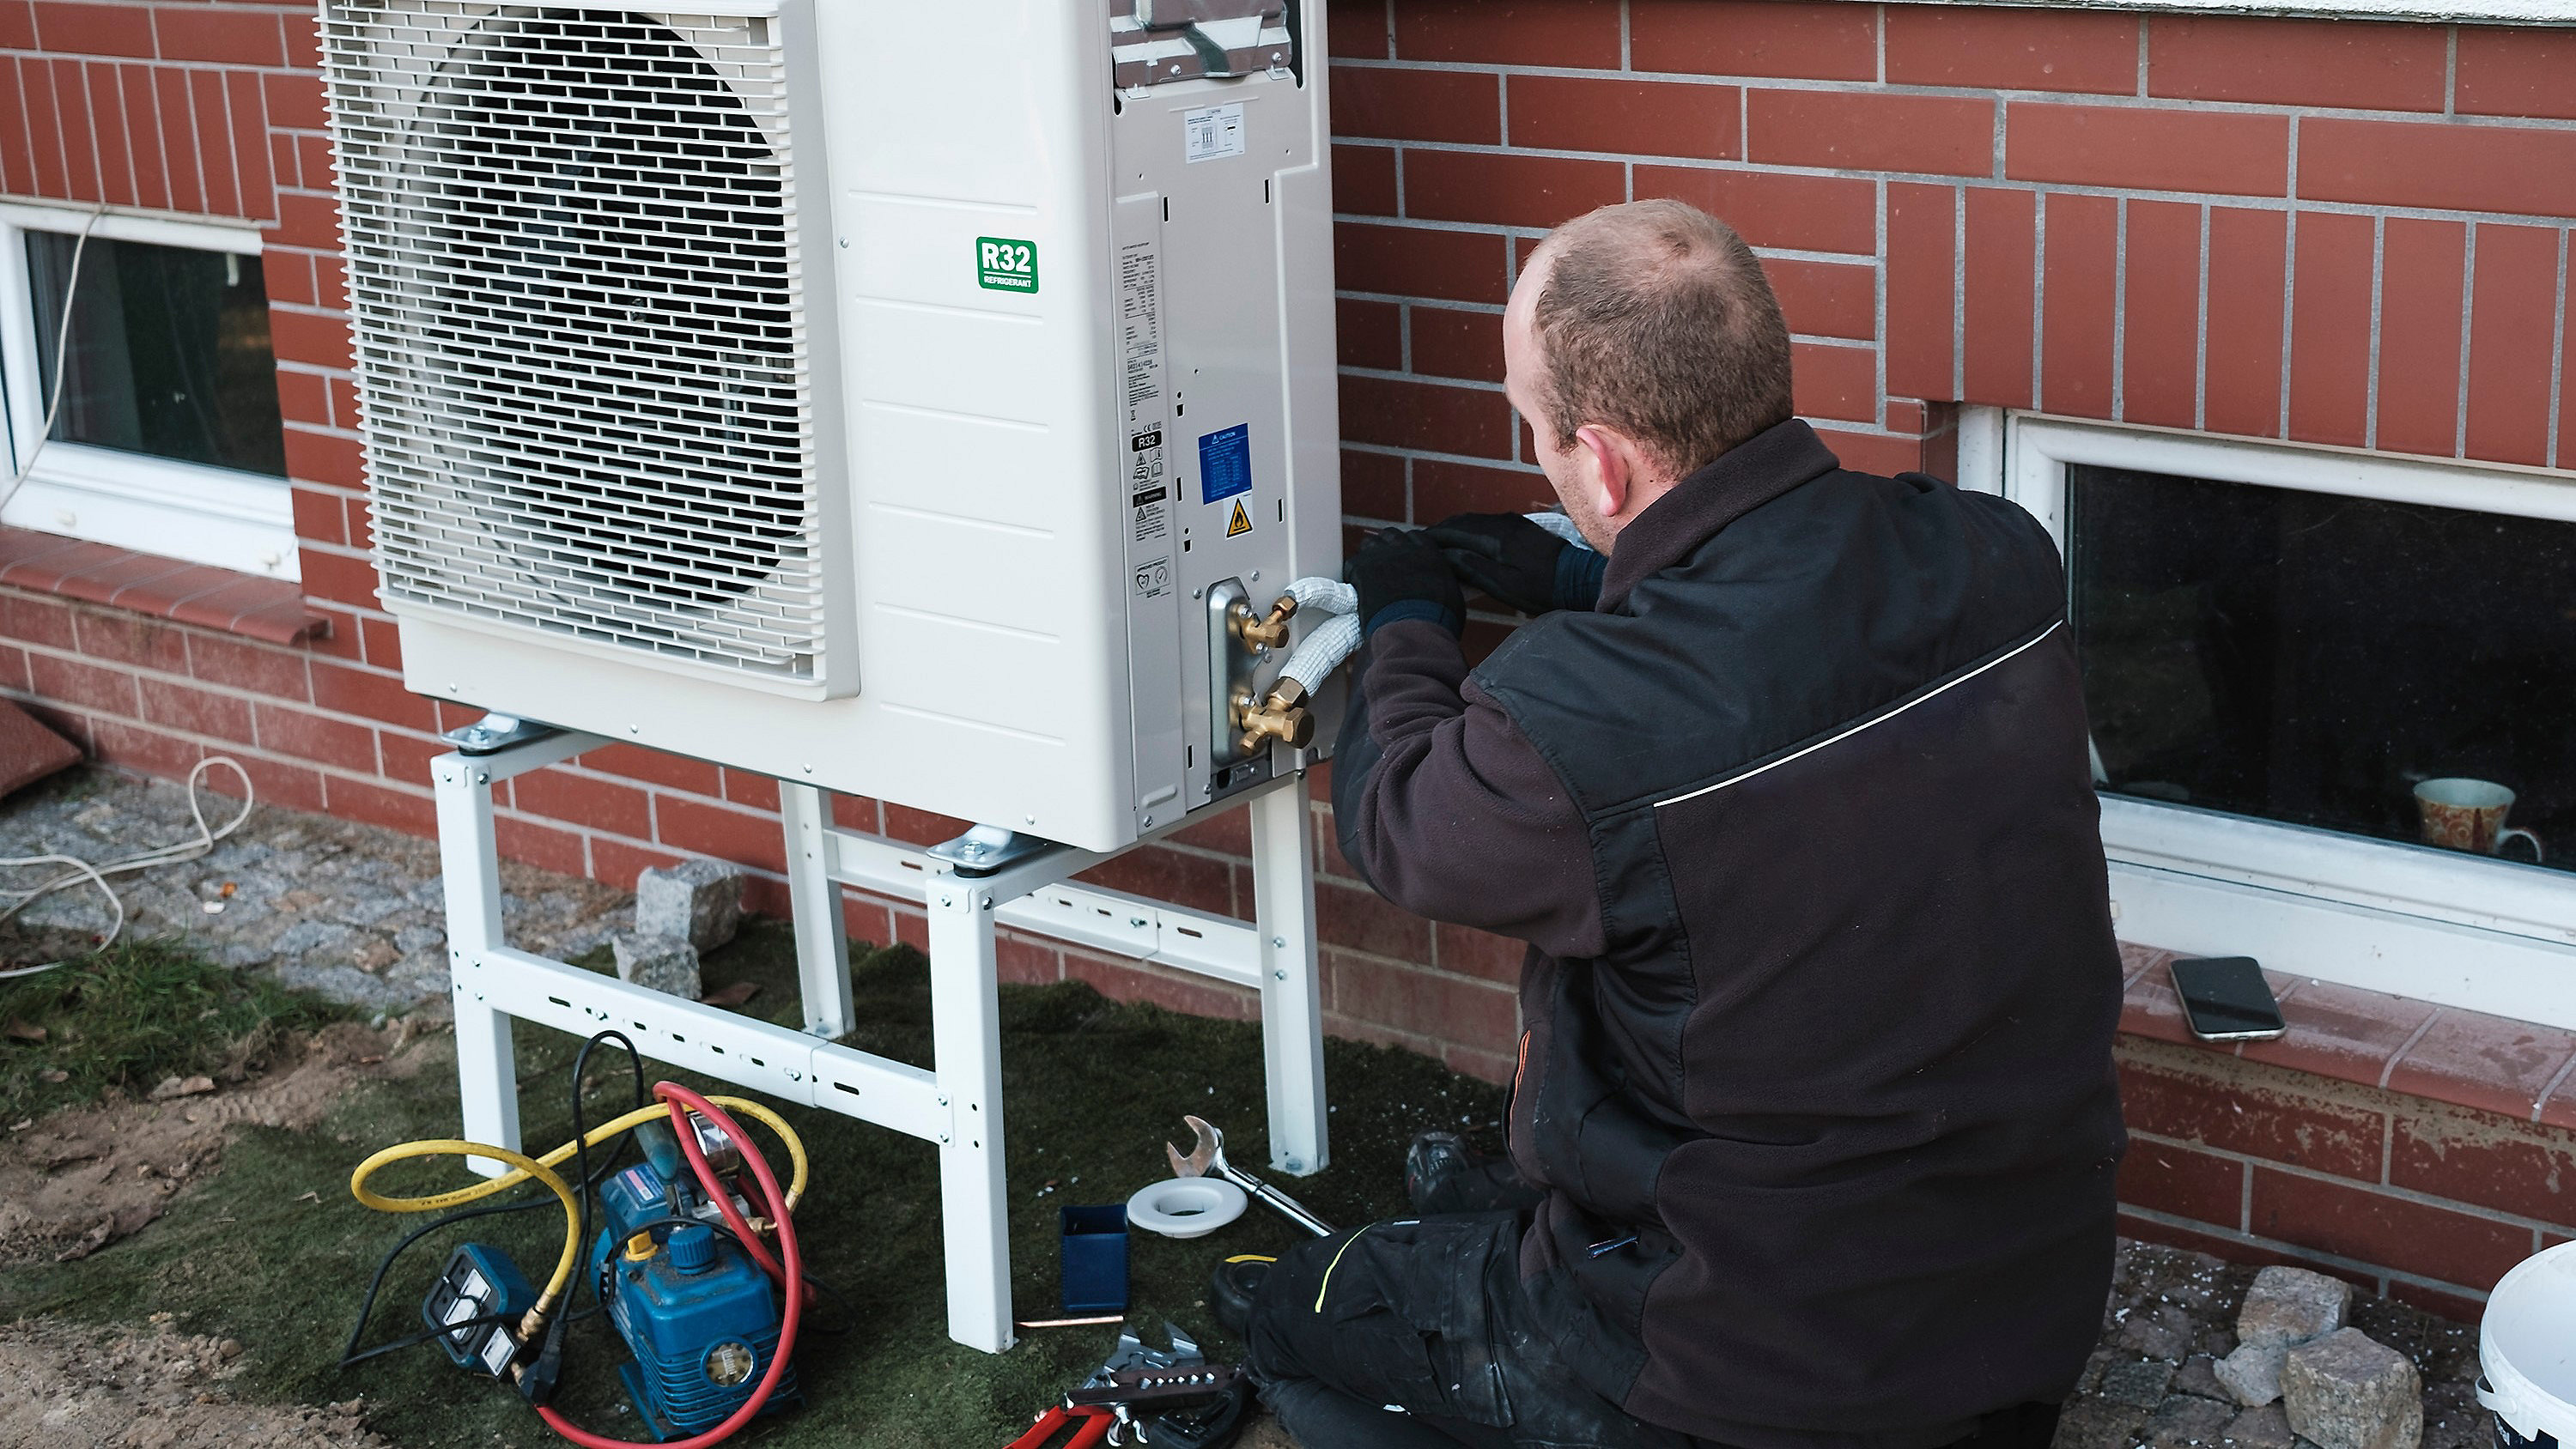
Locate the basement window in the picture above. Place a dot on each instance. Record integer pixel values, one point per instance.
(167, 437)
(2330, 695)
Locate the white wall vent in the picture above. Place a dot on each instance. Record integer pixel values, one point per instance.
(577, 277)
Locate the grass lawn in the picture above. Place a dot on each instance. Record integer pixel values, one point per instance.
(271, 1250)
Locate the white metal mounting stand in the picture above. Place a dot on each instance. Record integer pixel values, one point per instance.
(958, 1103)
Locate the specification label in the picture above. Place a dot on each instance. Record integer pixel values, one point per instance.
(1140, 353)
(1212, 133)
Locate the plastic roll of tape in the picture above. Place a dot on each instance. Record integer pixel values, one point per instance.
(1185, 1207)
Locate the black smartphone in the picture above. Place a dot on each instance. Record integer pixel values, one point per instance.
(2225, 998)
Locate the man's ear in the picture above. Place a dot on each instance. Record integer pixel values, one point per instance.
(1609, 470)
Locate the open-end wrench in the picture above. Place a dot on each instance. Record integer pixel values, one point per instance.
(1209, 1154)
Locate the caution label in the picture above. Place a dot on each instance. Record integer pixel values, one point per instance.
(1240, 523)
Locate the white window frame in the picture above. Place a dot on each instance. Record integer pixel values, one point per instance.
(220, 516)
(2486, 935)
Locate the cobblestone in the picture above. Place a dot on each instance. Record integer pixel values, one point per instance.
(354, 912)
(2187, 1301)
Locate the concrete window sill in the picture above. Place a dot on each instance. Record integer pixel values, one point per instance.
(2442, 1053)
(271, 610)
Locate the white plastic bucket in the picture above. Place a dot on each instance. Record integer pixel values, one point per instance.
(2527, 1352)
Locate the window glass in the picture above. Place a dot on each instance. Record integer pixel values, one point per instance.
(169, 351)
(2385, 669)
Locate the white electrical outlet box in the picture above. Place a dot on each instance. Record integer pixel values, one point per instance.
(865, 393)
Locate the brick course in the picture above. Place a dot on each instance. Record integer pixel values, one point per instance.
(2343, 233)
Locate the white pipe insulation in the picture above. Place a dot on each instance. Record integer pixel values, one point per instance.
(1325, 650)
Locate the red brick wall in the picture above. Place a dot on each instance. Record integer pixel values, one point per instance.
(2343, 233)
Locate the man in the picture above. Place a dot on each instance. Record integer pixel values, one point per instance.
(1786, 786)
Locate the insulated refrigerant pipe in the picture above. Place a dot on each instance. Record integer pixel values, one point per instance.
(1324, 651)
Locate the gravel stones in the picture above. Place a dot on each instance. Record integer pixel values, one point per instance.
(2252, 1374)
(2139, 1383)
(658, 963)
(355, 912)
(2344, 1391)
(2292, 1305)
(699, 901)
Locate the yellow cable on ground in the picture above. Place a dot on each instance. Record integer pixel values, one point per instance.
(528, 1167)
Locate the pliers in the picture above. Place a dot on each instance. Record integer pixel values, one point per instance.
(1095, 1427)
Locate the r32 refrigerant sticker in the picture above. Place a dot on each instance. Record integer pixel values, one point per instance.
(1146, 496)
(1006, 264)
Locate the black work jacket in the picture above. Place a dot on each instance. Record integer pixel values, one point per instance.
(1822, 986)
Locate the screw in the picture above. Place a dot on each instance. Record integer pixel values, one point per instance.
(482, 777)
(1279, 975)
(845, 243)
(1278, 943)
(943, 1099)
(1137, 922)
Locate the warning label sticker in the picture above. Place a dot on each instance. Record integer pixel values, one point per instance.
(1154, 580)
(1241, 522)
(1212, 133)
(1225, 463)
(1146, 495)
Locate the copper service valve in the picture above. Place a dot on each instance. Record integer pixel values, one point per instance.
(1258, 633)
(1282, 717)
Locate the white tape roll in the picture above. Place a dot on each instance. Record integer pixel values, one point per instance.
(1185, 1207)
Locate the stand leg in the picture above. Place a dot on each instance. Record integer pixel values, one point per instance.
(965, 1025)
(1292, 1016)
(470, 863)
(822, 941)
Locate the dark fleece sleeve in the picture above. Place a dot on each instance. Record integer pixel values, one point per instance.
(1448, 810)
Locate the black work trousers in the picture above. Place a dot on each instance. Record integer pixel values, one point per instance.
(1414, 1334)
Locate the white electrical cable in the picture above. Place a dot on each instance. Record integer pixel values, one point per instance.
(84, 873)
(62, 370)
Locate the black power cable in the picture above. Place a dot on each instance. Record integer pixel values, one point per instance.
(349, 1352)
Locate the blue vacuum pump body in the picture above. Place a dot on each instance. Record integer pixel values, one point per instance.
(699, 1316)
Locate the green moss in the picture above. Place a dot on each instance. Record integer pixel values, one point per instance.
(131, 1015)
(1093, 1089)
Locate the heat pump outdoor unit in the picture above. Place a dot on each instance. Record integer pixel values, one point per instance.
(927, 400)
(898, 397)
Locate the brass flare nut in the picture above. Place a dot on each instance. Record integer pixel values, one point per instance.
(1282, 717)
(1269, 632)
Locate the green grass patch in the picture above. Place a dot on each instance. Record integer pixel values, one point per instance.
(272, 1250)
(131, 1015)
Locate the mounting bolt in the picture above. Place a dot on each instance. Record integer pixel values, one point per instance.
(1279, 975)
(482, 777)
(1278, 943)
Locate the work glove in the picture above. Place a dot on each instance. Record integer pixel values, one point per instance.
(1400, 575)
(1518, 562)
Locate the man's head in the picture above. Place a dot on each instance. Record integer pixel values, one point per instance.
(1641, 343)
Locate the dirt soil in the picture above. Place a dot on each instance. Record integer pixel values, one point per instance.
(79, 1180)
(148, 1388)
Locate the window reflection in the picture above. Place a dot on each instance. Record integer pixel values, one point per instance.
(2392, 670)
(169, 351)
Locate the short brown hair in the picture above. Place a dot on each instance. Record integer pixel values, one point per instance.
(1657, 320)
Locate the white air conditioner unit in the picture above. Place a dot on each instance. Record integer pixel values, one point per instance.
(891, 396)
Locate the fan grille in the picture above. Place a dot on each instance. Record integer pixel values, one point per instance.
(577, 291)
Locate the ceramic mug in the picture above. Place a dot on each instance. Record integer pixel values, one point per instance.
(2463, 814)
